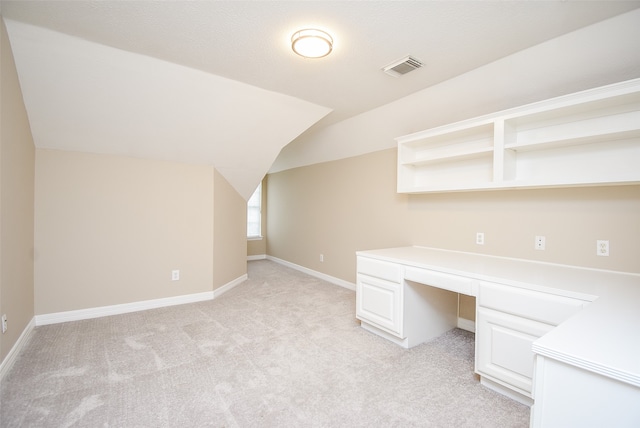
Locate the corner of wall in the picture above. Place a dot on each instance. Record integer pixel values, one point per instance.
(17, 170)
(229, 232)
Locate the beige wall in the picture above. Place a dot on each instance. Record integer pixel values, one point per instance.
(16, 203)
(230, 233)
(339, 207)
(258, 247)
(109, 230)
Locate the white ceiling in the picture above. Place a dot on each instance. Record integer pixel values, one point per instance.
(216, 81)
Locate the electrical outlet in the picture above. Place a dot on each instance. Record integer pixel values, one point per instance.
(175, 275)
(480, 238)
(540, 243)
(321, 258)
(602, 247)
(4, 323)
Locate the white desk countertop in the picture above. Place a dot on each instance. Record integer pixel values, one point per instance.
(603, 338)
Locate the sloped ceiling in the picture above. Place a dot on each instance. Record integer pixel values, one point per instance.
(215, 82)
(84, 96)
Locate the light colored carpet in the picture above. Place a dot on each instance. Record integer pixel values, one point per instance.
(283, 349)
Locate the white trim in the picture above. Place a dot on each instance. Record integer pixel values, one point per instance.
(229, 285)
(466, 324)
(104, 311)
(504, 390)
(256, 257)
(323, 276)
(587, 364)
(390, 337)
(8, 361)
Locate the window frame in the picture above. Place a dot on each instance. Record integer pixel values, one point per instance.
(254, 204)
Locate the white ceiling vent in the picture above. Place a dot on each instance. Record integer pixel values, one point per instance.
(402, 66)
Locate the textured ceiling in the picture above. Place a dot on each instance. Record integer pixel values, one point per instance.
(194, 57)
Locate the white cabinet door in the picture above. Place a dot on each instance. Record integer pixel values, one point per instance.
(503, 348)
(379, 302)
(508, 321)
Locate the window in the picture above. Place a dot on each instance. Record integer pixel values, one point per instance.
(254, 215)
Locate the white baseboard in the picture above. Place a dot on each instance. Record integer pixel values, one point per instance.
(228, 286)
(256, 257)
(6, 364)
(466, 324)
(391, 338)
(323, 276)
(494, 386)
(104, 311)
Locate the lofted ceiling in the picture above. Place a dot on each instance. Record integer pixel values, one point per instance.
(216, 82)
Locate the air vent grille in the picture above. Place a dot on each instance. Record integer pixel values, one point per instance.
(402, 66)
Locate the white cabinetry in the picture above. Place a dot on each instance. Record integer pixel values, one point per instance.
(586, 370)
(569, 396)
(582, 139)
(508, 321)
(379, 295)
(390, 304)
(452, 157)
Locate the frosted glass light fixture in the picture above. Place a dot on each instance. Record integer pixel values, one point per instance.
(311, 43)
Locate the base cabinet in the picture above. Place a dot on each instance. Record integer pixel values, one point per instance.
(581, 373)
(379, 295)
(508, 321)
(404, 311)
(503, 348)
(569, 396)
(378, 302)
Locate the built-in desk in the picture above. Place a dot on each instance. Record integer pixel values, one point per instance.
(563, 338)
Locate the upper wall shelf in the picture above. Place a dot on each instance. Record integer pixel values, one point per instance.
(583, 139)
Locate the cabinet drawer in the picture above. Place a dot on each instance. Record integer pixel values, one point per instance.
(445, 281)
(378, 269)
(534, 305)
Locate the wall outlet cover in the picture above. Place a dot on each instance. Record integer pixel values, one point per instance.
(602, 247)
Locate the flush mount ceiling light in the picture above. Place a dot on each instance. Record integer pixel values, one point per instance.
(311, 43)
